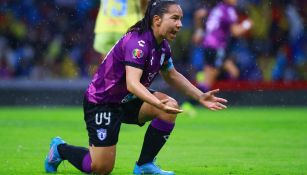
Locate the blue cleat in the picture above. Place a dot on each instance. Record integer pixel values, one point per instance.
(150, 168)
(53, 158)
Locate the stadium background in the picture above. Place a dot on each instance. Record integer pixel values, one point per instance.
(47, 58)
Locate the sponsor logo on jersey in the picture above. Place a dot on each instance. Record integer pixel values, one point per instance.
(152, 56)
(151, 76)
(137, 53)
(141, 43)
(128, 98)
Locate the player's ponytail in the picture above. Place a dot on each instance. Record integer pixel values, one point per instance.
(154, 7)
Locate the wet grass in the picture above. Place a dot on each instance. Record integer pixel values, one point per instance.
(262, 141)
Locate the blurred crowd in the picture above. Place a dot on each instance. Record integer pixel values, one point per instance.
(54, 39)
(47, 39)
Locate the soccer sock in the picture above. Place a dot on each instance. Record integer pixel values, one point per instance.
(78, 156)
(156, 135)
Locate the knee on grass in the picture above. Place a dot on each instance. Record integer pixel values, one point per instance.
(102, 168)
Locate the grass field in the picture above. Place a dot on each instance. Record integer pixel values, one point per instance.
(262, 141)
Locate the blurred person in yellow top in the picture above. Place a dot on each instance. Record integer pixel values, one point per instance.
(113, 20)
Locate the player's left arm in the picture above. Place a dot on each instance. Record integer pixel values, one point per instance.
(179, 82)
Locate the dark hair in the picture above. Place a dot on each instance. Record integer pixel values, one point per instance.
(154, 7)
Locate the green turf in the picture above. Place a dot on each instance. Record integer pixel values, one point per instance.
(260, 141)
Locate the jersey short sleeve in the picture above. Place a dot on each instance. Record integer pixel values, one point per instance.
(136, 52)
(168, 61)
(167, 65)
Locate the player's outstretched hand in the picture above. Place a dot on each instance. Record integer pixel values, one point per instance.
(169, 109)
(210, 101)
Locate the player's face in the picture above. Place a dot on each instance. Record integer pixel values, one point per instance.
(170, 23)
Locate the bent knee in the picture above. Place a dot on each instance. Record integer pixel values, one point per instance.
(102, 169)
(173, 103)
(171, 118)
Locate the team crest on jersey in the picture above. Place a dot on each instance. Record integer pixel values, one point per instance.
(101, 134)
(137, 53)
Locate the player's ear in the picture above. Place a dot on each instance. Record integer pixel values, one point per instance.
(157, 20)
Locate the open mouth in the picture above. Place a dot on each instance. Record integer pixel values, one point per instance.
(174, 33)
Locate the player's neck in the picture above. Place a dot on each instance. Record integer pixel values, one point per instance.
(157, 36)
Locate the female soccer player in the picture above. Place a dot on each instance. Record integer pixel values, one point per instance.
(119, 94)
(222, 23)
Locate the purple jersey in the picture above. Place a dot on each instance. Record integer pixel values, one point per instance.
(218, 25)
(133, 49)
